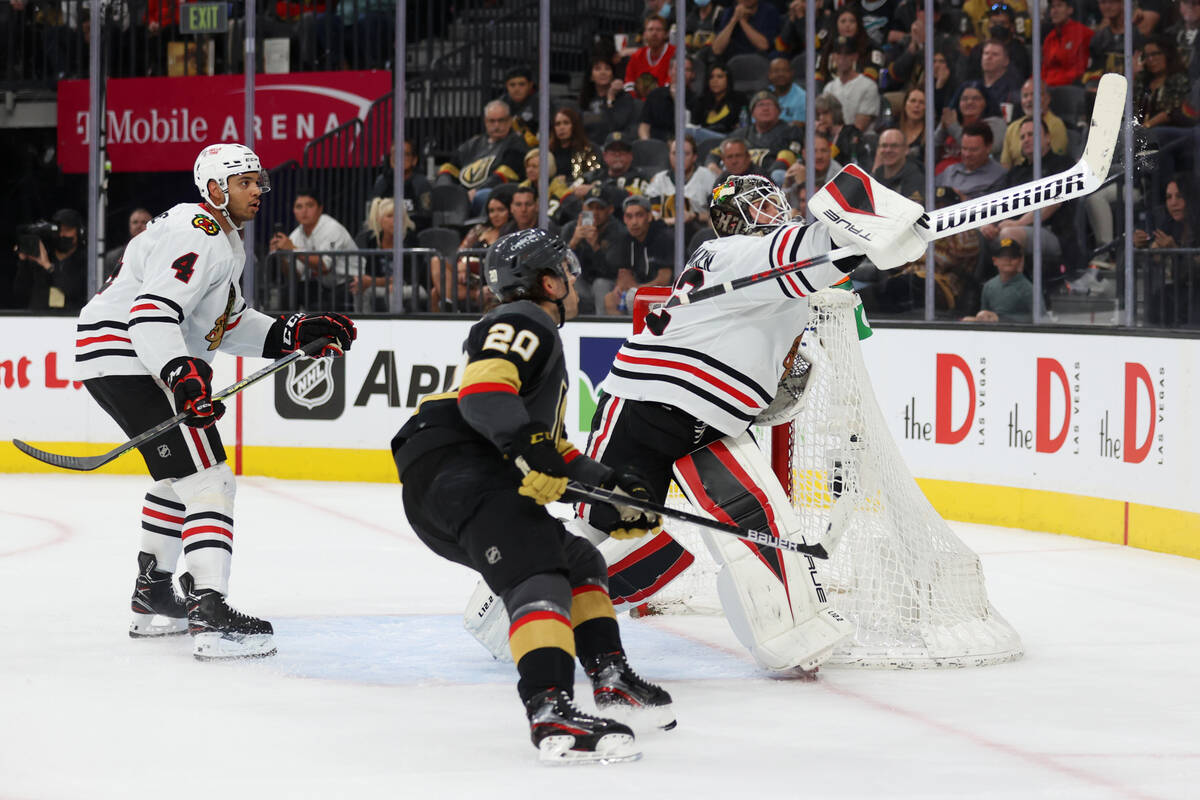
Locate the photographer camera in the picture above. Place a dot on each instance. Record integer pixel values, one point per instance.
(52, 273)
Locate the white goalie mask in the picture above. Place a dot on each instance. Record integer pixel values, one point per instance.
(747, 205)
(217, 162)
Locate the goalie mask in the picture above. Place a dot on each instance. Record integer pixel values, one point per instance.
(218, 162)
(747, 205)
(516, 263)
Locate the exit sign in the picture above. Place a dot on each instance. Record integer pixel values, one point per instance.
(203, 18)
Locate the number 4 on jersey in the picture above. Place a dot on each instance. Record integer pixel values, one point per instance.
(184, 266)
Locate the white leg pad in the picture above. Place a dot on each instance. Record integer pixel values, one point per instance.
(486, 619)
(780, 615)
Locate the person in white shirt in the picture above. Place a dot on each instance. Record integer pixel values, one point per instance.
(143, 350)
(696, 189)
(858, 94)
(326, 278)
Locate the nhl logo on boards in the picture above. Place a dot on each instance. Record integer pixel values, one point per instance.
(492, 554)
(311, 389)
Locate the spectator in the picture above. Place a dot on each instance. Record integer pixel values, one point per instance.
(645, 256)
(468, 287)
(1058, 220)
(1011, 154)
(607, 107)
(735, 160)
(658, 112)
(1147, 14)
(1107, 49)
(325, 279)
(1184, 32)
(1065, 48)
(139, 218)
(895, 171)
(485, 233)
(774, 144)
(570, 147)
(524, 211)
(556, 187)
(793, 39)
(701, 26)
(977, 172)
(824, 165)
(912, 125)
(720, 105)
(1002, 28)
(845, 141)
(749, 27)
(1000, 81)
(418, 193)
(594, 238)
(654, 58)
(945, 83)
(489, 159)
(1178, 226)
(969, 107)
(372, 286)
(792, 99)
(618, 171)
(1007, 297)
(54, 277)
(849, 28)
(907, 69)
(697, 187)
(522, 102)
(857, 93)
(1160, 101)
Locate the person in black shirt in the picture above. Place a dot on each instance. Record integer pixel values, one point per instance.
(58, 279)
(418, 193)
(644, 257)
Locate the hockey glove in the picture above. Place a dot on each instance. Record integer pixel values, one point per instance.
(535, 453)
(627, 522)
(861, 212)
(294, 332)
(190, 380)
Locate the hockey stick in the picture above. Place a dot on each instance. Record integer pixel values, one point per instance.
(1079, 181)
(595, 494)
(88, 463)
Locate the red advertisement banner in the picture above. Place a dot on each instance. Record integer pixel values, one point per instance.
(160, 124)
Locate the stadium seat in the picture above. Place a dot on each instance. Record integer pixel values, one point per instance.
(1069, 102)
(749, 72)
(698, 238)
(444, 240)
(651, 155)
(451, 205)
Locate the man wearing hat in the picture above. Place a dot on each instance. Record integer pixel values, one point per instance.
(57, 276)
(774, 144)
(594, 237)
(645, 255)
(618, 170)
(858, 94)
(522, 101)
(1007, 297)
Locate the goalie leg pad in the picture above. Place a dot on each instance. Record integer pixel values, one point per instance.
(486, 619)
(773, 599)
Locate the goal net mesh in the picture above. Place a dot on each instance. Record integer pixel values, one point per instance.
(914, 591)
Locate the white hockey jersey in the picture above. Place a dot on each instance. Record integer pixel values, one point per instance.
(176, 292)
(720, 360)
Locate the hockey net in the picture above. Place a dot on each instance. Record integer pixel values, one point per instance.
(914, 591)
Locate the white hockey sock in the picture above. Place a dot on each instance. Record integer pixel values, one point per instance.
(162, 525)
(208, 525)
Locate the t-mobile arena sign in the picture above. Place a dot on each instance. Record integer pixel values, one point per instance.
(160, 124)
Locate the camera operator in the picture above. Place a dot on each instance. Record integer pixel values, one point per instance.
(53, 269)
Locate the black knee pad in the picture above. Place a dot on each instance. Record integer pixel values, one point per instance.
(584, 563)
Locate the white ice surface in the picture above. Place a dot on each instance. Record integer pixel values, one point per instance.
(378, 692)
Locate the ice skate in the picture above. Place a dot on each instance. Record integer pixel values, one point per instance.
(157, 609)
(565, 735)
(218, 631)
(621, 692)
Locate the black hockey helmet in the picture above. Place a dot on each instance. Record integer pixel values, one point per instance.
(516, 263)
(747, 205)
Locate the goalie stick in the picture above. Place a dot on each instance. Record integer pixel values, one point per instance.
(594, 494)
(88, 463)
(1079, 181)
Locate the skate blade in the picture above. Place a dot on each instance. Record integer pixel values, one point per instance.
(640, 717)
(615, 748)
(231, 646)
(144, 626)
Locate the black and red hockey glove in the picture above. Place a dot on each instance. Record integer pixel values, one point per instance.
(190, 379)
(290, 333)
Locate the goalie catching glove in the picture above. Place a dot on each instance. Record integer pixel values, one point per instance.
(861, 212)
(291, 333)
(190, 380)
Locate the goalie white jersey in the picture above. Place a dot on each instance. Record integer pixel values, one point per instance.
(720, 360)
(176, 292)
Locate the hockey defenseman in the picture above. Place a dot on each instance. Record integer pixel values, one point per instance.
(682, 395)
(143, 350)
(478, 466)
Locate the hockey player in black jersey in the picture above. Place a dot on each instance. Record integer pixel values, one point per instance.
(478, 466)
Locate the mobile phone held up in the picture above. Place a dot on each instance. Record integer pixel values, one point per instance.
(587, 218)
